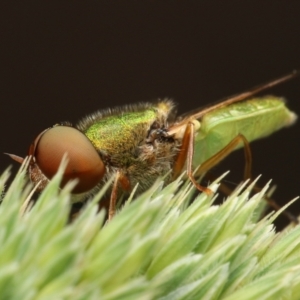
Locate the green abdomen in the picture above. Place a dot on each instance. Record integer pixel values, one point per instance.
(255, 118)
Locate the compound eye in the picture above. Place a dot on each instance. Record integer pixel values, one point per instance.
(84, 161)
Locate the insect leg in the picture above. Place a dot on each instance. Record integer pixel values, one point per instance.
(219, 156)
(113, 197)
(124, 182)
(186, 154)
(210, 163)
(227, 191)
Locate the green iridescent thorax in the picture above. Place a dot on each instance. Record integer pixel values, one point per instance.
(130, 140)
(116, 133)
(120, 135)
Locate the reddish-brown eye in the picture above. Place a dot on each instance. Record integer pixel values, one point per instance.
(84, 161)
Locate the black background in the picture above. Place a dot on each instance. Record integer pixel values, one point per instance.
(62, 60)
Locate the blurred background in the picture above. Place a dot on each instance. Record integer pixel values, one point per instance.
(61, 61)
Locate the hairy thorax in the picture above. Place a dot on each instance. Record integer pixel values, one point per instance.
(134, 142)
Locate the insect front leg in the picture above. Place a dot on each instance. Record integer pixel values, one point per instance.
(121, 181)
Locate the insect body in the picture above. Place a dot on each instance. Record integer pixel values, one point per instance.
(139, 143)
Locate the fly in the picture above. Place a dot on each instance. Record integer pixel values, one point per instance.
(139, 143)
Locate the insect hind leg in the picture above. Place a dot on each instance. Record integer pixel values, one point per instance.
(223, 153)
(219, 156)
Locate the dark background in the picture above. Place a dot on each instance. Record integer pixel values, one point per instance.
(61, 61)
